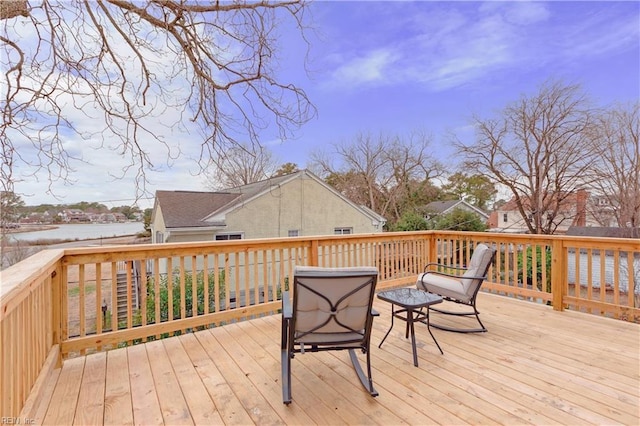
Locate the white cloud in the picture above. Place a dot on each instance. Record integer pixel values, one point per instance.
(368, 68)
(447, 45)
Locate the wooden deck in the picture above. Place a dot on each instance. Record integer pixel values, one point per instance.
(534, 366)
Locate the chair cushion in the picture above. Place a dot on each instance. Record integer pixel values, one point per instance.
(343, 339)
(461, 288)
(313, 311)
(348, 290)
(477, 267)
(442, 285)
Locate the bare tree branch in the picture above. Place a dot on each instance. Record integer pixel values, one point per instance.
(380, 172)
(241, 166)
(538, 149)
(142, 70)
(616, 169)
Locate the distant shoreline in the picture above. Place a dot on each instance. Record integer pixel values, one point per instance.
(30, 228)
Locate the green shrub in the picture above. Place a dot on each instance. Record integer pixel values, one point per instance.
(177, 296)
(528, 252)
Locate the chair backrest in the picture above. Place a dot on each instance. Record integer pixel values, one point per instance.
(333, 305)
(478, 267)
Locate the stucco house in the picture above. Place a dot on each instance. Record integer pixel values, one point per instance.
(298, 204)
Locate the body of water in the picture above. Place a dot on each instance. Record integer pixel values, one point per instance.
(82, 231)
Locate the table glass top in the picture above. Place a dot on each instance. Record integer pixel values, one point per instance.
(409, 297)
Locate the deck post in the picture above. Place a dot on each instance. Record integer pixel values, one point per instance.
(56, 311)
(313, 259)
(558, 274)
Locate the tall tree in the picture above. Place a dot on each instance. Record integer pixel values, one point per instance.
(539, 149)
(241, 166)
(286, 169)
(10, 206)
(458, 220)
(616, 169)
(137, 69)
(380, 172)
(474, 189)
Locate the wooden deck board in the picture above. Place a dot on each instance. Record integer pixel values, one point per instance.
(534, 366)
(174, 407)
(64, 400)
(118, 408)
(144, 397)
(202, 408)
(221, 394)
(90, 409)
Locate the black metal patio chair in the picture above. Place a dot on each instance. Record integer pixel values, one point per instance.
(331, 310)
(458, 285)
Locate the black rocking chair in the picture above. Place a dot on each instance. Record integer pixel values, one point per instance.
(331, 310)
(459, 285)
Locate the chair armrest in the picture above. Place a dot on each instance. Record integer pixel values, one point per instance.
(466, 277)
(287, 308)
(440, 265)
(374, 313)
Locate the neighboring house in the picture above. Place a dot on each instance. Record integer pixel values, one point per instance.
(74, 215)
(437, 208)
(298, 204)
(572, 212)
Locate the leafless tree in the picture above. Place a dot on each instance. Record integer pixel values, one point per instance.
(616, 169)
(381, 171)
(539, 149)
(241, 166)
(129, 65)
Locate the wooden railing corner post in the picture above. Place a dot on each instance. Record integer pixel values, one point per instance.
(56, 309)
(558, 274)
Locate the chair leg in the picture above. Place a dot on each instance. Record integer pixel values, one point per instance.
(285, 363)
(286, 377)
(475, 313)
(366, 381)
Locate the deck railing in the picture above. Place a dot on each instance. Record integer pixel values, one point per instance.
(62, 303)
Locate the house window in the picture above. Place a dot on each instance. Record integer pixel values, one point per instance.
(504, 217)
(342, 231)
(226, 237)
(294, 232)
(159, 237)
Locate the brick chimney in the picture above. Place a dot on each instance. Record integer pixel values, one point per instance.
(581, 207)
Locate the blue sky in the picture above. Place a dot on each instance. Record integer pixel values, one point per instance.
(397, 67)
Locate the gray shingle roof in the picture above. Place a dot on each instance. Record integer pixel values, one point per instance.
(189, 208)
(441, 206)
(603, 232)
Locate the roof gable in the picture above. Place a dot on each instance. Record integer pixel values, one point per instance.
(442, 206)
(448, 206)
(184, 209)
(253, 190)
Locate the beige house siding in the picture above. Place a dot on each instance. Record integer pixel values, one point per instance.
(191, 236)
(515, 222)
(301, 204)
(157, 225)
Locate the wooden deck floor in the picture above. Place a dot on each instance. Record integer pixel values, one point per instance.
(534, 366)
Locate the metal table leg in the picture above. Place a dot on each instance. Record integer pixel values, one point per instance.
(393, 314)
(413, 336)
